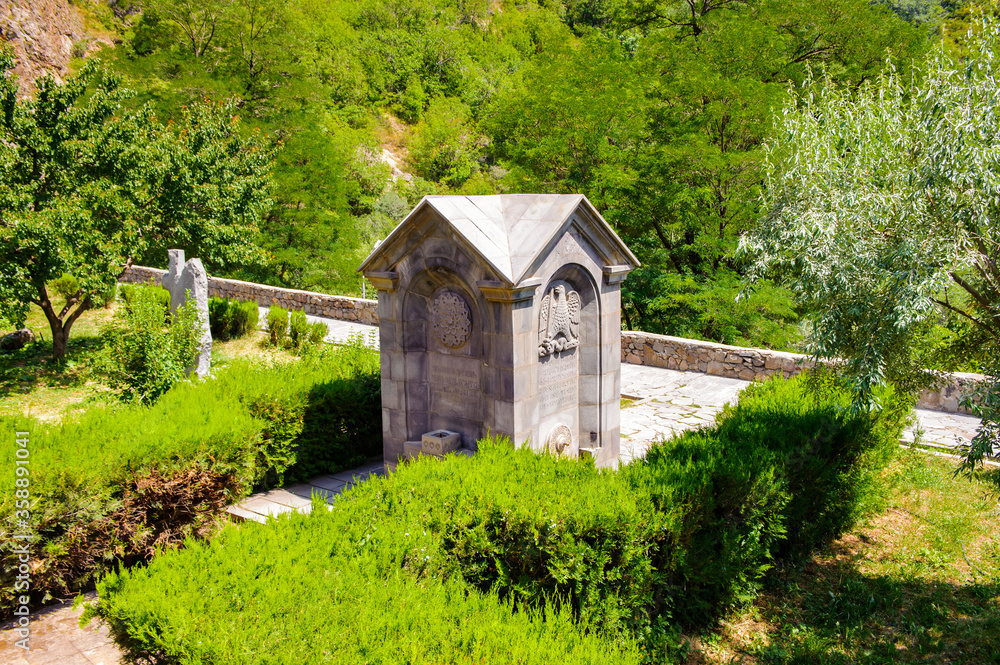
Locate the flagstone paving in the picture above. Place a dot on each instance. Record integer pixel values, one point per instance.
(56, 638)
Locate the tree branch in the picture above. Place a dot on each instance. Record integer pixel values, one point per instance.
(971, 290)
(990, 329)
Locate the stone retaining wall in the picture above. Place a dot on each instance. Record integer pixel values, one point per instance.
(319, 304)
(638, 348)
(735, 362)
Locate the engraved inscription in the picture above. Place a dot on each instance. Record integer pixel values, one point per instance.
(463, 383)
(454, 386)
(559, 320)
(557, 370)
(451, 319)
(558, 396)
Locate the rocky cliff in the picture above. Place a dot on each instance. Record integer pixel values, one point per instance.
(45, 35)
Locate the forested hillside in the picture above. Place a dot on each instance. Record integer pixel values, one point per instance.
(655, 109)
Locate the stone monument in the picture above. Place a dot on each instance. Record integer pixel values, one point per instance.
(501, 315)
(189, 280)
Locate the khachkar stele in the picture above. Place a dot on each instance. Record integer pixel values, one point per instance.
(189, 280)
(502, 315)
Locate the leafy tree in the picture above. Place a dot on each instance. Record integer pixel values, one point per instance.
(661, 124)
(86, 187)
(566, 124)
(199, 21)
(445, 146)
(919, 12)
(257, 36)
(307, 232)
(884, 216)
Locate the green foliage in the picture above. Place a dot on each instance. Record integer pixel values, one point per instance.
(882, 214)
(686, 305)
(129, 293)
(142, 358)
(87, 186)
(232, 319)
(317, 332)
(567, 124)
(614, 559)
(657, 111)
(412, 99)
(116, 482)
(319, 426)
(831, 459)
(355, 573)
(277, 325)
(445, 147)
(660, 118)
(298, 328)
(65, 286)
(985, 400)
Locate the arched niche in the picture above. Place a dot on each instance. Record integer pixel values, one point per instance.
(569, 348)
(442, 348)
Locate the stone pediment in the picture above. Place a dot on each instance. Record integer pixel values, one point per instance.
(510, 233)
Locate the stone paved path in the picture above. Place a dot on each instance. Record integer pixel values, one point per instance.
(669, 401)
(57, 639)
(659, 403)
(258, 507)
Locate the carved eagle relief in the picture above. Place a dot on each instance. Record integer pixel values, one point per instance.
(559, 321)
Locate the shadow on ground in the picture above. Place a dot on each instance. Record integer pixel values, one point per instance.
(831, 612)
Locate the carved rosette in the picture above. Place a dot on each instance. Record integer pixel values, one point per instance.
(559, 440)
(559, 320)
(451, 319)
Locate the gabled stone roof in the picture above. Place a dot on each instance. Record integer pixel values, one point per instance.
(509, 231)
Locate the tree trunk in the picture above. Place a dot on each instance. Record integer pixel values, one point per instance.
(60, 324)
(59, 338)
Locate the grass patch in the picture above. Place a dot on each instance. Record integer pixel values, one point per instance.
(919, 583)
(33, 384)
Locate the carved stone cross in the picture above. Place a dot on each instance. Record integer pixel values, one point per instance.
(189, 280)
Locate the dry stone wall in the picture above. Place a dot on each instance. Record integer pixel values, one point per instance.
(638, 348)
(735, 362)
(318, 304)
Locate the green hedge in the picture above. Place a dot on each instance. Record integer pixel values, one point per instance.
(232, 319)
(116, 482)
(624, 558)
(829, 458)
(347, 586)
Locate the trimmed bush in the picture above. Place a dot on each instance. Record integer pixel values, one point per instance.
(829, 457)
(232, 319)
(616, 557)
(316, 427)
(298, 328)
(114, 483)
(142, 357)
(317, 332)
(351, 585)
(277, 325)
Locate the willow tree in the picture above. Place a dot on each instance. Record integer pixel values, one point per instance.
(87, 186)
(884, 213)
